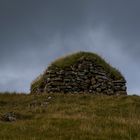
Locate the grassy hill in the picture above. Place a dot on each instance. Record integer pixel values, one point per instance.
(70, 117)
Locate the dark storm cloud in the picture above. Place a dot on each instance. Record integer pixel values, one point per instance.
(35, 32)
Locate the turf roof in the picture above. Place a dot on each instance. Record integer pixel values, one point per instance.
(71, 59)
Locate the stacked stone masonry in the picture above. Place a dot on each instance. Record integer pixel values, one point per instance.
(84, 76)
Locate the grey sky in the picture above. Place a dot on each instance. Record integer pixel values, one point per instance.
(35, 32)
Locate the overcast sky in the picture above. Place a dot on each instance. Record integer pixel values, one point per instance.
(33, 33)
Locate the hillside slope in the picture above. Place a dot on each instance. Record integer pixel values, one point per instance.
(70, 117)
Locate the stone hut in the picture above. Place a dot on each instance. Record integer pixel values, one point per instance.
(82, 72)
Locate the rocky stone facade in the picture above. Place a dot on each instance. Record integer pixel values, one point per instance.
(84, 76)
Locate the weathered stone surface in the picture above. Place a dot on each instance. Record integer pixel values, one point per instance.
(9, 117)
(98, 90)
(93, 81)
(83, 76)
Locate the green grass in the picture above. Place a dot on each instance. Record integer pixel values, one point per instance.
(39, 82)
(70, 60)
(71, 117)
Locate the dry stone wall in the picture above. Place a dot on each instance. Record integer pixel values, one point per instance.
(84, 76)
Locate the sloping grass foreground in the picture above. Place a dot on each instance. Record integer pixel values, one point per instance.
(70, 117)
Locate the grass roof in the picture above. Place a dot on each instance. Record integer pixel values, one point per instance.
(71, 59)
